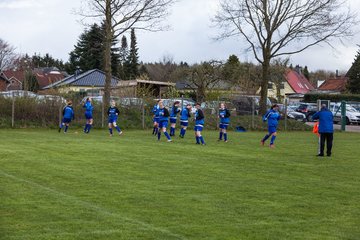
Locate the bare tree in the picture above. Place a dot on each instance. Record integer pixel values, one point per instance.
(121, 15)
(275, 28)
(204, 76)
(7, 55)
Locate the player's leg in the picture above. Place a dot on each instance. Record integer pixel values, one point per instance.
(118, 129)
(329, 143)
(273, 137)
(225, 133)
(221, 131)
(90, 124)
(165, 132)
(322, 144)
(110, 128)
(172, 127)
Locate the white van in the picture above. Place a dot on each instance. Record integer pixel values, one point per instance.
(352, 115)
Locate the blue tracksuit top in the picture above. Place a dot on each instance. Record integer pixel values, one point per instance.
(113, 112)
(163, 114)
(88, 107)
(184, 115)
(224, 116)
(199, 117)
(155, 110)
(68, 112)
(325, 117)
(272, 117)
(174, 112)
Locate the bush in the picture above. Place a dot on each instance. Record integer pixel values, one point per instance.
(313, 97)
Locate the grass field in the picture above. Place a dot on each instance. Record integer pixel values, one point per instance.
(76, 186)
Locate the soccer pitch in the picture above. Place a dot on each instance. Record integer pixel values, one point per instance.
(77, 186)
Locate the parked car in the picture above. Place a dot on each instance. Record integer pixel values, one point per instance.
(308, 109)
(248, 104)
(291, 113)
(43, 98)
(352, 115)
(18, 93)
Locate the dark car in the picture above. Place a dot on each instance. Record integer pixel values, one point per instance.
(308, 109)
(291, 113)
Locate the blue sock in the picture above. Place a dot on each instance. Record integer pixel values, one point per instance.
(118, 128)
(110, 130)
(182, 132)
(86, 127)
(272, 140)
(225, 136)
(66, 128)
(156, 130)
(89, 127)
(197, 140)
(220, 135)
(265, 138)
(167, 135)
(61, 125)
(172, 131)
(159, 134)
(202, 140)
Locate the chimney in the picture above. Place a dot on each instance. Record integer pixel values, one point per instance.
(337, 74)
(298, 69)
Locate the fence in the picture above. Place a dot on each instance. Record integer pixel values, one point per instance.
(27, 112)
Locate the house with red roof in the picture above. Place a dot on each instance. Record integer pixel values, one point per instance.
(334, 85)
(296, 84)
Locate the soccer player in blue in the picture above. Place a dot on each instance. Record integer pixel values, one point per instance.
(173, 117)
(155, 110)
(113, 113)
(163, 121)
(88, 115)
(272, 117)
(68, 115)
(224, 115)
(199, 124)
(184, 119)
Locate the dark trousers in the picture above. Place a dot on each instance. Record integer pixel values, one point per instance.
(328, 137)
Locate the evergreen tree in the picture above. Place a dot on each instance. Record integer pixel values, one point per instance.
(353, 74)
(123, 54)
(132, 62)
(89, 52)
(306, 73)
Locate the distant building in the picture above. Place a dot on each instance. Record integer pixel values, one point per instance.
(294, 86)
(3, 82)
(334, 85)
(92, 81)
(130, 88)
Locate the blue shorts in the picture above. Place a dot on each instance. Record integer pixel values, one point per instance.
(112, 120)
(223, 125)
(271, 129)
(172, 120)
(163, 124)
(184, 124)
(198, 128)
(66, 120)
(88, 115)
(156, 119)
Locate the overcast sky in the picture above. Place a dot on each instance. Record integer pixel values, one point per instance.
(50, 26)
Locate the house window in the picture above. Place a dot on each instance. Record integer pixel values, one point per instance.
(282, 85)
(270, 86)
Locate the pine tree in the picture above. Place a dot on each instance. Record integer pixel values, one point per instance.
(123, 54)
(353, 74)
(306, 73)
(132, 63)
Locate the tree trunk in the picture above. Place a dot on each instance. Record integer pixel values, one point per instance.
(107, 55)
(264, 85)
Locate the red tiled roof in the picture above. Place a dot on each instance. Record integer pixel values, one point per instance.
(334, 84)
(298, 82)
(17, 74)
(47, 79)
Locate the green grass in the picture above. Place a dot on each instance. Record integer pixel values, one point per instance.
(76, 186)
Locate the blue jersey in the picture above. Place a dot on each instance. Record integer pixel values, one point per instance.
(155, 110)
(163, 114)
(272, 117)
(199, 117)
(224, 116)
(88, 108)
(68, 112)
(174, 112)
(113, 112)
(185, 114)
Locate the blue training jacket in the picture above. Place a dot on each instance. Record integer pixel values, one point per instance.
(224, 116)
(325, 117)
(199, 117)
(272, 117)
(163, 114)
(155, 110)
(185, 114)
(68, 112)
(174, 112)
(113, 112)
(88, 107)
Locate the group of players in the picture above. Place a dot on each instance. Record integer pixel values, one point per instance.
(162, 115)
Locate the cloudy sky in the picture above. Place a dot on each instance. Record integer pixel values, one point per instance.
(50, 26)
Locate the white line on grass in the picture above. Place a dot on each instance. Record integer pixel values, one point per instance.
(92, 206)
